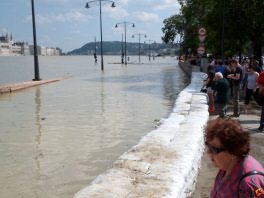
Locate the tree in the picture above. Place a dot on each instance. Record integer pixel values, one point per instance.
(234, 27)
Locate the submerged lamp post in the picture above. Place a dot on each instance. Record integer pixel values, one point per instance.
(101, 31)
(139, 34)
(95, 55)
(149, 43)
(36, 63)
(125, 23)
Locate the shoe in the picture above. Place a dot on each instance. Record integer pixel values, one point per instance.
(235, 115)
(260, 129)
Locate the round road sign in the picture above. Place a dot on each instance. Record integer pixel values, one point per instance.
(202, 31)
(201, 50)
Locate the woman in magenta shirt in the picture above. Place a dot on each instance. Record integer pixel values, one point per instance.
(228, 148)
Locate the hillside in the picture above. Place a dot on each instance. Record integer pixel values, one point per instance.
(115, 48)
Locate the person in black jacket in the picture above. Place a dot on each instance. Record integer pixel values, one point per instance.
(221, 90)
(236, 77)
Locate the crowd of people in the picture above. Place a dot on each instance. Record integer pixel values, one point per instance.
(233, 80)
(228, 144)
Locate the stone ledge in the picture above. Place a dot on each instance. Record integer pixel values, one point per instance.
(11, 87)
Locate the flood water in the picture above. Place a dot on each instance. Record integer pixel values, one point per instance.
(56, 138)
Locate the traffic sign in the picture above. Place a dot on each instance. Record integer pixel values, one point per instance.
(202, 31)
(201, 50)
(202, 38)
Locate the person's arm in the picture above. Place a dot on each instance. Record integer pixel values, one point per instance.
(213, 85)
(235, 76)
(256, 85)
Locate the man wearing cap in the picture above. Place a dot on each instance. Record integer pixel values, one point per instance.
(260, 82)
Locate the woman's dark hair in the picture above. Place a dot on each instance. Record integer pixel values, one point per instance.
(233, 61)
(231, 134)
(250, 66)
(210, 67)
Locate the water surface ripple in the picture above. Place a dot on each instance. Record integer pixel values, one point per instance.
(56, 138)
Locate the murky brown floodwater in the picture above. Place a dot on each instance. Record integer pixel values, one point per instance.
(58, 137)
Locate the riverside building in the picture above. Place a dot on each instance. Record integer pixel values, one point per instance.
(10, 48)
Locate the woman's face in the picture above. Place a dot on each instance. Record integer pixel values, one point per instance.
(218, 155)
(250, 70)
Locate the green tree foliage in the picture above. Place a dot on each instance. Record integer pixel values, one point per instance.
(234, 26)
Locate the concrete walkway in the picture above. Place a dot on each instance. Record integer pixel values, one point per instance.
(249, 121)
(8, 88)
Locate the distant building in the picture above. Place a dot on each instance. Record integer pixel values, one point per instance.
(10, 48)
(5, 45)
(20, 48)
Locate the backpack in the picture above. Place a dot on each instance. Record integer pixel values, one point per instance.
(246, 175)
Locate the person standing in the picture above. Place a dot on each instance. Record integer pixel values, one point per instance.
(235, 77)
(260, 82)
(208, 83)
(95, 58)
(221, 90)
(251, 84)
(220, 68)
(240, 175)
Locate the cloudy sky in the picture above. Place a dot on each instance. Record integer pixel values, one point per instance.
(69, 25)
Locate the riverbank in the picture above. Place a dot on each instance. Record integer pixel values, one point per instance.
(207, 173)
(11, 87)
(165, 162)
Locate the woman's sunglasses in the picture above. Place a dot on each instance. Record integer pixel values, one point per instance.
(214, 150)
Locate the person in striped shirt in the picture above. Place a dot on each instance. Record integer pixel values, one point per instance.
(228, 147)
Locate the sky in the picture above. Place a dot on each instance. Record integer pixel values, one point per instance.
(67, 24)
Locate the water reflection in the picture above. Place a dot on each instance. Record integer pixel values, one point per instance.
(173, 82)
(102, 103)
(38, 136)
(53, 150)
(102, 94)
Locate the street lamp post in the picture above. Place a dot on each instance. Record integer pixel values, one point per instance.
(149, 46)
(95, 55)
(139, 34)
(36, 63)
(101, 29)
(122, 50)
(125, 23)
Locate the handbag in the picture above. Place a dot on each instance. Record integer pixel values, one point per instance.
(246, 175)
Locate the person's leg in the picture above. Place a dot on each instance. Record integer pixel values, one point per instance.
(247, 98)
(224, 109)
(221, 110)
(236, 100)
(217, 108)
(211, 102)
(261, 124)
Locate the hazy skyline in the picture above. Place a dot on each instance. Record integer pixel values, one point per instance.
(69, 25)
